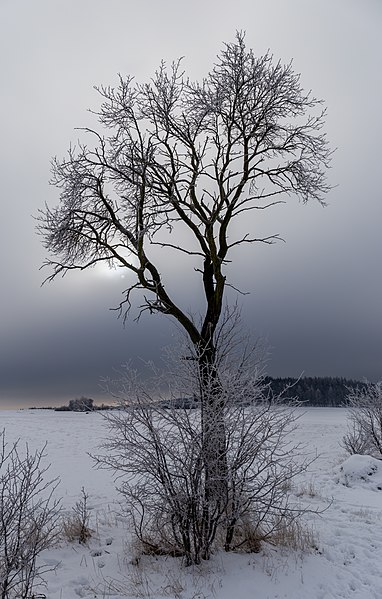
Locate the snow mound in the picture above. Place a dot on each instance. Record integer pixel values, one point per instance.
(361, 471)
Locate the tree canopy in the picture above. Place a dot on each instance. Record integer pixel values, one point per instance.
(181, 155)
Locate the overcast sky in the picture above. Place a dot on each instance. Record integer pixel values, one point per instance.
(317, 298)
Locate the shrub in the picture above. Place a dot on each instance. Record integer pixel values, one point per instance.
(158, 451)
(76, 525)
(365, 420)
(29, 517)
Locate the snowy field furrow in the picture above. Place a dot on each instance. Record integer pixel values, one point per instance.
(344, 561)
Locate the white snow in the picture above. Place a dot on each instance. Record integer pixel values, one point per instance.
(361, 471)
(344, 562)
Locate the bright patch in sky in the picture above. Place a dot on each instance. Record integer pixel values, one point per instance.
(106, 270)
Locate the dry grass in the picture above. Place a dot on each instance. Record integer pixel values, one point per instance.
(247, 538)
(307, 489)
(294, 535)
(73, 529)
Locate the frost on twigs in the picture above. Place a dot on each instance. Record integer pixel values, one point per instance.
(365, 420)
(29, 517)
(158, 453)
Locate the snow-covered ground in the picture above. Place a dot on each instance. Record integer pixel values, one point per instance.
(345, 562)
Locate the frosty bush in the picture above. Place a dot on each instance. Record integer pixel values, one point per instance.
(365, 420)
(28, 519)
(159, 453)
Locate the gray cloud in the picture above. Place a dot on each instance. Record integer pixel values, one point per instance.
(316, 298)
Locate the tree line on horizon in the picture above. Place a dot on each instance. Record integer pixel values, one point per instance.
(315, 391)
(311, 391)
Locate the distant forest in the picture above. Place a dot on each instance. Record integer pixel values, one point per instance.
(311, 391)
(314, 391)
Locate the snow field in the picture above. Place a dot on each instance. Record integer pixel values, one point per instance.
(344, 562)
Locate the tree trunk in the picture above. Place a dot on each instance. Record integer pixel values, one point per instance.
(214, 444)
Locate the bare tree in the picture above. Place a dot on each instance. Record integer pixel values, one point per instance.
(188, 156)
(365, 433)
(28, 519)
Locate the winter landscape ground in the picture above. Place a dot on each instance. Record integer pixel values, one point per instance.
(343, 557)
